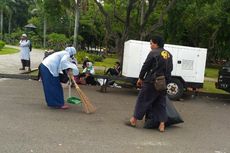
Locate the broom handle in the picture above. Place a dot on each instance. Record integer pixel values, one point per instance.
(89, 108)
(75, 84)
(69, 87)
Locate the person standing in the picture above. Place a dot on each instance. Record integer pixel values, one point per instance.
(50, 68)
(25, 52)
(157, 63)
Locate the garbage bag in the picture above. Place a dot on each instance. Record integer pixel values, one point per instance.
(173, 117)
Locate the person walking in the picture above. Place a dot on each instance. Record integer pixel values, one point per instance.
(50, 69)
(157, 63)
(25, 52)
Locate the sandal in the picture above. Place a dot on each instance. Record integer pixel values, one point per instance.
(65, 106)
(128, 123)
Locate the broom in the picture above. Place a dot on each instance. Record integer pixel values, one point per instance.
(87, 105)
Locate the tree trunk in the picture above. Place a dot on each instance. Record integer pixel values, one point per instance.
(77, 13)
(44, 32)
(1, 25)
(9, 24)
(142, 16)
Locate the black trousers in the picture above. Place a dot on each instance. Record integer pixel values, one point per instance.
(111, 71)
(149, 98)
(25, 63)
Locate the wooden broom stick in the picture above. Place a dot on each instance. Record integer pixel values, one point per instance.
(87, 105)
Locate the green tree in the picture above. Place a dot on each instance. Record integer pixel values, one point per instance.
(128, 19)
(40, 10)
(73, 8)
(200, 24)
(5, 6)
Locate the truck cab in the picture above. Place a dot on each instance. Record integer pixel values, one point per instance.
(223, 81)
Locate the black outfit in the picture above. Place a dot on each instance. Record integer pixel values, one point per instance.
(114, 71)
(89, 79)
(158, 62)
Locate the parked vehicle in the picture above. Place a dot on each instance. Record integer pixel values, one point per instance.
(223, 81)
(188, 65)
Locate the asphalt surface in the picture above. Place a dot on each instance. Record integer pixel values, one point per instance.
(28, 125)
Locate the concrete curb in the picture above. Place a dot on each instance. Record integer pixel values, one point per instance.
(213, 95)
(18, 76)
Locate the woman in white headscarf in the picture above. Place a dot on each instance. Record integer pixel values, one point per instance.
(50, 69)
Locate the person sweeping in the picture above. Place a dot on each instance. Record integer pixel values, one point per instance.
(50, 69)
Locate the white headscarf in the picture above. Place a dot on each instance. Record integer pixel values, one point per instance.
(71, 50)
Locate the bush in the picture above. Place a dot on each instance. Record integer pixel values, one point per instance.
(96, 58)
(2, 45)
(57, 41)
(92, 57)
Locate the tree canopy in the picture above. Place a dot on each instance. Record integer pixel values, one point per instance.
(109, 23)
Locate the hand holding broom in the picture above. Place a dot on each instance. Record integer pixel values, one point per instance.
(87, 105)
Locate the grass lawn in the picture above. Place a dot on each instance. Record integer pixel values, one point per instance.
(108, 62)
(7, 50)
(211, 72)
(210, 87)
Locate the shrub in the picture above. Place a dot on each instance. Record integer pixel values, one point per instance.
(96, 58)
(2, 45)
(57, 41)
(92, 57)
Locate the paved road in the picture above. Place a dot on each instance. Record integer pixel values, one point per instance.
(27, 125)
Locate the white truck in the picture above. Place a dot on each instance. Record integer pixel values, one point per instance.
(188, 65)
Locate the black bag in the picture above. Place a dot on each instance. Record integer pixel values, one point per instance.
(64, 78)
(173, 117)
(160, 83)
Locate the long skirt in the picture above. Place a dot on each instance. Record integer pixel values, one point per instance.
(150, 98)
(52, 88)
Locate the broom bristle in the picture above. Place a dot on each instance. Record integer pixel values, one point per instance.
(87, 105)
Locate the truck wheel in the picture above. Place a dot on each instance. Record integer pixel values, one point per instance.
(175, 89)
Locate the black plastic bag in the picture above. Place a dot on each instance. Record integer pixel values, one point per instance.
(173, 117)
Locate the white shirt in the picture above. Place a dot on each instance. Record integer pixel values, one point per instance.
(59, 61)
(25, 50)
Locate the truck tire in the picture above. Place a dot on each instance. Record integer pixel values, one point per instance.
(175, 89)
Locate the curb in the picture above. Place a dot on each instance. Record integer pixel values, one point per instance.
(28, 72)
(18, 76)
(213, 95)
